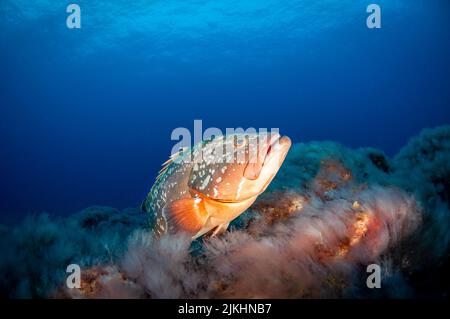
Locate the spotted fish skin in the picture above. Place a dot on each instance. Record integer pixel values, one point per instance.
(204, 188)
(171, 185)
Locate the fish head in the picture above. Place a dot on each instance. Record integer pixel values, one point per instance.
(237, 167)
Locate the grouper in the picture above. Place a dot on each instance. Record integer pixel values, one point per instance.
(202, 189)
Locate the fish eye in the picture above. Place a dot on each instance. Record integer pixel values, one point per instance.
(239, 141)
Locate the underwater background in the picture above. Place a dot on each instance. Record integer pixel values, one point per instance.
(86, 114)
(86, 117)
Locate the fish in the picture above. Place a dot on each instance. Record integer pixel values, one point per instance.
(200, 190)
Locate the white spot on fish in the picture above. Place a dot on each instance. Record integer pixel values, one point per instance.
(238, 194)
(205, 182)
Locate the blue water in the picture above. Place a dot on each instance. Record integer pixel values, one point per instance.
(86, 115)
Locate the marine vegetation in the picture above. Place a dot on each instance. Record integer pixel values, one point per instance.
(328, 213)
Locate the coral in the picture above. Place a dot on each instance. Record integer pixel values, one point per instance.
(35, 253)
(101, 283)
(311, 252)
(319, 246)
(425, 163)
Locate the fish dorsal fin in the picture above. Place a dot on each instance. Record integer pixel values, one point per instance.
(187, 215)
(171, 160)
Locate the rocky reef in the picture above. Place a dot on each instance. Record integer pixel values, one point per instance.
(330, 212)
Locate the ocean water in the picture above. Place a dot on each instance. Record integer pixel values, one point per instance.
(86, 114)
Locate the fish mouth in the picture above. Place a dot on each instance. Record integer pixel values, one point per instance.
(279, 144)
(276, 146)
(274, 156)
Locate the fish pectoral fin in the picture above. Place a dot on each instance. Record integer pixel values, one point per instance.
(216, 231)
(220, 229)
(187, 215)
